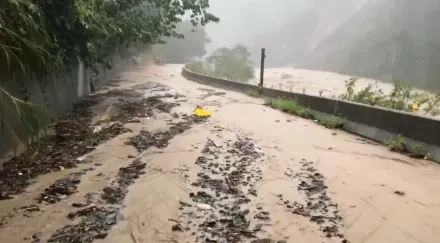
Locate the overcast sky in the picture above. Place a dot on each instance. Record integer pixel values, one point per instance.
(242, 19)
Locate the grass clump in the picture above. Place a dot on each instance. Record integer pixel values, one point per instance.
(253, 93)
(333, 122)
(402, 97)
(418, 151)
(398, 145)
(290, 106)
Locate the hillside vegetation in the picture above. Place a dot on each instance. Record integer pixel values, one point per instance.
(229, 63)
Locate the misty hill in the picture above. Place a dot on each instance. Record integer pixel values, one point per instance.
(280, 47)
(385, 39)
(293, 37)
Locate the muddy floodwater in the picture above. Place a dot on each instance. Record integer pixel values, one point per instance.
(150, 171)
(322, 83)
(314, 82)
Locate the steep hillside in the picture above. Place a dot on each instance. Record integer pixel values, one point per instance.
(332, 14)
(294, 37)
(385, 39)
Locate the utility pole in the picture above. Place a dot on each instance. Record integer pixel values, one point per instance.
(263, 56)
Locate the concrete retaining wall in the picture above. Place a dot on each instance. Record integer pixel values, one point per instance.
(376, 123)
(55, 95)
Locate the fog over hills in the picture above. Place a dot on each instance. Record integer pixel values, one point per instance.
(372, 38)
(385, 39)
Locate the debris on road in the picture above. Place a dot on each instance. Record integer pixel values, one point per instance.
(132, 110)
(30, 208)
(319, 208)
(60, 190)
(204, 206)
(79, 205)
(145, 139)
(229, 172)
(177, 227)
(96, 221)
(83, 211)
(113, 194)
(95, 224)
(73, 139)
(268, 241)
(200, 112)
(126, 177)
(36, 237)
(211, 93)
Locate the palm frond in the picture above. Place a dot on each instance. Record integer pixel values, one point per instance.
(24, 41)
(24, 45)
(32, 118)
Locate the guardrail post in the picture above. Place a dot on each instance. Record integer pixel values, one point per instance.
(263, 56)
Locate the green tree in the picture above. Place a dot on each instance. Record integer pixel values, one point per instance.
(24, 40)
(94, 30)
(24, 55)
(234, 64)
(37, 36)
(40, 38)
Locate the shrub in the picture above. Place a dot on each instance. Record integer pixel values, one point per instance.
(402, 97)
(290, 106)
(333, 122)
(232, 64)
(399, 145)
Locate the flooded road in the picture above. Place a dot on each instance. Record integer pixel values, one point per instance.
(248, 173)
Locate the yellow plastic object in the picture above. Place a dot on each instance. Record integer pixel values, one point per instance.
(202, 112)
(415, 107)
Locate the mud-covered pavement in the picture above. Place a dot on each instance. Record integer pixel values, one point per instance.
(149, 171)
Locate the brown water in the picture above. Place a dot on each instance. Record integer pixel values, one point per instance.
(362, 176)
(313, 81)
